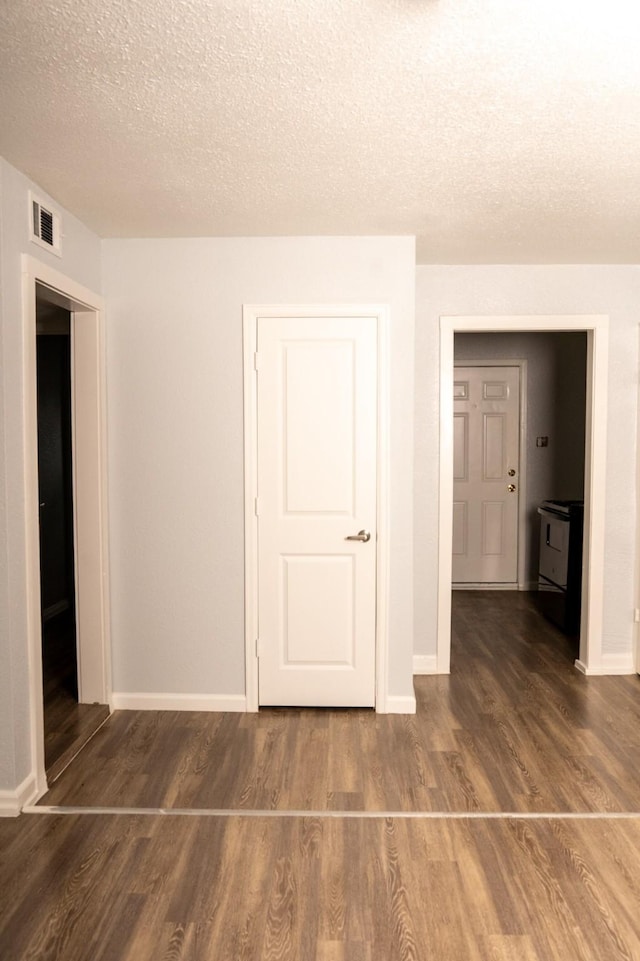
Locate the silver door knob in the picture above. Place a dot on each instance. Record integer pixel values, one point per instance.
(360, 536)
(511, 488)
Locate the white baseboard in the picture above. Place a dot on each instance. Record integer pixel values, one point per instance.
(12, 802)
(610, 665)
(125, 701)
(425, 664)
(520, 586)
(485, 587)
(400, 705)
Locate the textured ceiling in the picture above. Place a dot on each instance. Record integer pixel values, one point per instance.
(495, 130)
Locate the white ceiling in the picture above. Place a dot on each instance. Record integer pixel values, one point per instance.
(497, 131)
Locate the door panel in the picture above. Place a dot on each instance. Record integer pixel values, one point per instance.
(459, 527)
(318, 438)
(460, 446)
(486, 442)
(492, 528)
(317, 476)
(493, 467)
(311, 627)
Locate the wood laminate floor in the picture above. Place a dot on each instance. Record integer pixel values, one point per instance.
(132, 888)
(515, 727)
(67, 724)
(459, 875)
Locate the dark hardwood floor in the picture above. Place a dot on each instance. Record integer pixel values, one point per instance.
(515, 727)
(531, 851)
(67, 724)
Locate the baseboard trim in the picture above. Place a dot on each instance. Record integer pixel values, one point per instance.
(485, 587)
(125, 701)
(610, 665)
(425, 664)
(12, 802)
(400, 705)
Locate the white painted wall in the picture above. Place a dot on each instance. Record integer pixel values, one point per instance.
(475, 290)
(81, 261)
(174, 360)
(555, 408)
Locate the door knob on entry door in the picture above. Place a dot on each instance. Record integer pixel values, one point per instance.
(511, 488)
(360, 536)
(511, 473)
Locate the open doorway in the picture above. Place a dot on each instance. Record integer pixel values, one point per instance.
(595, 327)
(73, 593)
(519, 444)
(67, 723)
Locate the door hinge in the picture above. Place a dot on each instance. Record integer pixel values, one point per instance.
(256, 361)
(256, 506)
(258, 647)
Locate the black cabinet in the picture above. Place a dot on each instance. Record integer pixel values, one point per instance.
(560, 568)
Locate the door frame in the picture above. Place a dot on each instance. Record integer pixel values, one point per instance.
(520, 584)
(251, 313)
(596, 327)
(89, 478)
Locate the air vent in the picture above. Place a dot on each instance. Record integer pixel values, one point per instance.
(44, 225)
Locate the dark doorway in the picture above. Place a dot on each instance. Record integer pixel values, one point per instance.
(67, 724)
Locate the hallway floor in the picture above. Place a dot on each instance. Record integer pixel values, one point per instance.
(67, 724)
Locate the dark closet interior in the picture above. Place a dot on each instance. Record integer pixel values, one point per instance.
(67, 724)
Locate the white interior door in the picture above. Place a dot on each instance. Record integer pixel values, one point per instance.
(317, 477)
(486, 403)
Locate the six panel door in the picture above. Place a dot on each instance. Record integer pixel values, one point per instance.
(486, 406)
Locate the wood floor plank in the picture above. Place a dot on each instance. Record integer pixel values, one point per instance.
(68, 725)
(257, 889)
(510, 948)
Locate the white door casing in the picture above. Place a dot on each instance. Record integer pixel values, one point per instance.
(315, 450)
(89, 496)
(486, 481)
(597, 329)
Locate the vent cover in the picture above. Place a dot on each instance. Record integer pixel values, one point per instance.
(44, 225)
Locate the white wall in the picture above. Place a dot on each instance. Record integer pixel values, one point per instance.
(80, 261)
(463, 290)
(555, 409)
(175, 412)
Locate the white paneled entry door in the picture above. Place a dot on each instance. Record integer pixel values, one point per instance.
(486, 403)
(317, 389)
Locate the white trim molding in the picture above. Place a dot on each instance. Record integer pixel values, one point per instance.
(89, 494)
(400, 705)
(12, 802)
(609, 665)
(425, 664)
(480, 586)
(125, 701)
(596, 327)
(251, 314)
